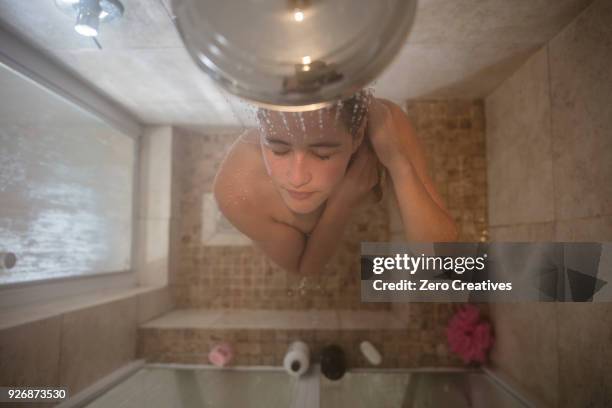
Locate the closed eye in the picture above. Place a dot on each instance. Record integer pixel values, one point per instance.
(323, 154)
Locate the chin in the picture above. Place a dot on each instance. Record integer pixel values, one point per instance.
(303, 207)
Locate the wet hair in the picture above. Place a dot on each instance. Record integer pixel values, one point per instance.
(351, 112)
(354, 111)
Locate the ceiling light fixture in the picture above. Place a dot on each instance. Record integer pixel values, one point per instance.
(88, 14)
(298, 15)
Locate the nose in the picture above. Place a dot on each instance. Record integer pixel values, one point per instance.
(299, 173)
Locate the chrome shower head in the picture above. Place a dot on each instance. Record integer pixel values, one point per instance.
(293, 55)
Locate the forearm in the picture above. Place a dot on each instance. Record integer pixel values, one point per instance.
(324, 239)
(423, 219)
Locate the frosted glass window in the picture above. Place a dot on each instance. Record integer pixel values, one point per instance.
(66, 187)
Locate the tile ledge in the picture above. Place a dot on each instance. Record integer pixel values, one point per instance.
(262, 319)
(16, 316)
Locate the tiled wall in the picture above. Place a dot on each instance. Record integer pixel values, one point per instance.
(549, 139)
(231, 276)
(76, 348)
(262, 337)
(158, 216)
(453, 136)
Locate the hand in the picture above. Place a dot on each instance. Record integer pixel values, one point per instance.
(361, 176)
(385, 133)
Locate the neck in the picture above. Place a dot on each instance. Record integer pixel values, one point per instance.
(314, 213)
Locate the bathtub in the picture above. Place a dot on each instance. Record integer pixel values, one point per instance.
(182, 385)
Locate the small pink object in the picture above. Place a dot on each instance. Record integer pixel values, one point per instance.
(221, 354)
(469, 336)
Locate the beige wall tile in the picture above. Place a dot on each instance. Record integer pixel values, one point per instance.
(519, 160)
(523, 233)
(364, 319)
(157, 205)
(96, 341)
(526, 346)
(153, 304)
(585, 352)
(30, 353)
(580, 60)
(155, 172)
(152, 251)
(585, 229)
(186, 318)
(174, 245)
(566, 366)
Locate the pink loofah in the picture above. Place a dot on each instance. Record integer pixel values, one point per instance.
(469, 336)
(221, 354)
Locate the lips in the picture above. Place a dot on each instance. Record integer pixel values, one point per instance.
(300, 195)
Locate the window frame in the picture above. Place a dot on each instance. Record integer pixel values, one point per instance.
(35, 67)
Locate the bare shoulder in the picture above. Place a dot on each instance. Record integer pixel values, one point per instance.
(239, 174)
(405, 127)
(391, 105)
(239, 161)
(399, 116)
(240, 187)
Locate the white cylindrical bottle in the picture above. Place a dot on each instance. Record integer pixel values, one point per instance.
(297, 359)
(370, 353)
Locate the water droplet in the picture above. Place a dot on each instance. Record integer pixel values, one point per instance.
(302, 124)
(321, 120)
(284, 118)
(338, 109)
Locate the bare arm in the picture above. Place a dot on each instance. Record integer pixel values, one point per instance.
(282, 243)
(324, 239)
(287, 246)
(423, 218)
(360, 178)
(423, 213)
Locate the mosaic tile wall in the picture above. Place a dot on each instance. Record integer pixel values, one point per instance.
(453, 135)
(420, 343)
(401, 349)
(242, 276)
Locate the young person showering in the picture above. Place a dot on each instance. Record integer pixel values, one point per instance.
(292, 184)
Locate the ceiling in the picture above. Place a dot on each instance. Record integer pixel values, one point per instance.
(457, 49)
(32, 104)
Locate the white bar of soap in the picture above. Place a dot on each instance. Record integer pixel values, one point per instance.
(370, 353)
